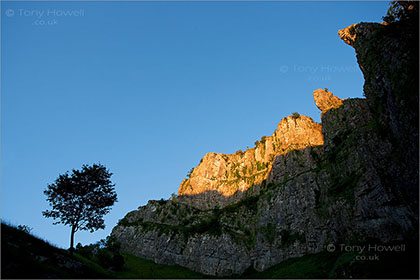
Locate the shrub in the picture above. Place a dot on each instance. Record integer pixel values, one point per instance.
(104, 258)
(295, 115)
(269, 232)
(260, 166)
(24, 228)
(315, 155)
(105, 252)
(244, 170)
(85, 251)
(162, 201)
(288, 238)
(88, 251)
(211, 226)
(190, 172)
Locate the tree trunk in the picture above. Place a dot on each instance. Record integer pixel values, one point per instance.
(72, 240)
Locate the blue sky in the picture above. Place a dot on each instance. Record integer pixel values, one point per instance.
(148, 88)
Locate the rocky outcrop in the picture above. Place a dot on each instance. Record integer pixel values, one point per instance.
(388, 57)
(312, 197)
(222, 179)
(358, 31)
(325, 100)
(356, 185)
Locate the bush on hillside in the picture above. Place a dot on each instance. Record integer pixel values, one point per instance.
(105, 252)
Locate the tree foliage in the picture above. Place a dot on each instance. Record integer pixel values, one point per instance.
(80, 200)
(401, 10)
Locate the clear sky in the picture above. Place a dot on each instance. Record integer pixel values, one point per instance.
(148, 88)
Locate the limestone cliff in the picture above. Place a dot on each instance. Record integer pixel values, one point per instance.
(356, 182)
(388, 55)
(221, 179)
(325, 100)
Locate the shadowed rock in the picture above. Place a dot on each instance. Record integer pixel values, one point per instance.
(360, 183)
(358, 31)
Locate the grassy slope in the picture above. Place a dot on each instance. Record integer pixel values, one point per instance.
(25, 256)
(309, 266)
(321, 265)
(345, 265)
(135, 267)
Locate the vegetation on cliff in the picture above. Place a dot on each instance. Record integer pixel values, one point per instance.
(354, 184)
(333, 201)
(26, 256)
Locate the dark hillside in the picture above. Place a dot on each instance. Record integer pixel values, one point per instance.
(25, 256)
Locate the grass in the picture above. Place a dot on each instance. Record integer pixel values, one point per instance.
(135, 267)
(93, 266)
(26, 256)
(345, 265)
(320, 265)
(309, 266)
(21, 251)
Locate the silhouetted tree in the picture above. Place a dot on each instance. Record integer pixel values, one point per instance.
(80, 200)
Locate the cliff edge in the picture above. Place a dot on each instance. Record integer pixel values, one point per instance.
(222, 179)
(354, 179)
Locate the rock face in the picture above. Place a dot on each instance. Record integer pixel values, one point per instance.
(221, 179)
(358, 182)
(356, 31)
(325, 100)
(388, 58)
